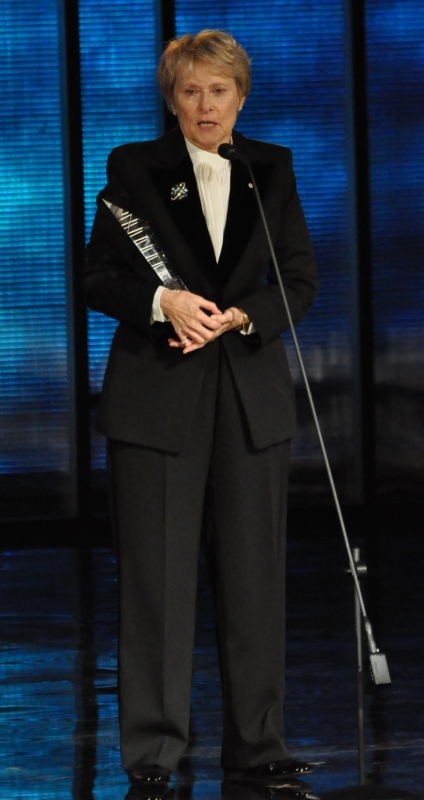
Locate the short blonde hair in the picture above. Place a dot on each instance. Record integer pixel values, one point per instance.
(217, 48)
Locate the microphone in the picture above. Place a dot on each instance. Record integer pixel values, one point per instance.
(229, 151)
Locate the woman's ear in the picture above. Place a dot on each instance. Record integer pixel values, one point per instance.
(242, 101)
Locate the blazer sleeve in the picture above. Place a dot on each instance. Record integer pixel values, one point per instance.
(112, 284)
(296, 262)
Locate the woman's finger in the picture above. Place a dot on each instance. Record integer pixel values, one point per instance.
(210, 321)
(200, 332)
(192, 347)
(208, 305)
(189, 347)
(184, 308)
(197, 333)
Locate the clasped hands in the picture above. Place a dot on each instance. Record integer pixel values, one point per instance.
(193, 326)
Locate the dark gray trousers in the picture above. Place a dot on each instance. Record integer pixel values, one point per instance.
(160, 503)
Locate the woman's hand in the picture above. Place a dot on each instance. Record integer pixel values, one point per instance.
(193, 326)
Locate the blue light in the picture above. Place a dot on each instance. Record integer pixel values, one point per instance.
(33, 346)
(120, 103)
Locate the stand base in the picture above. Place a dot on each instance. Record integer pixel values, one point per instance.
(367, 793)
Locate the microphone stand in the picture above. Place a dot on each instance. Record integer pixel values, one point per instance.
(378, 662)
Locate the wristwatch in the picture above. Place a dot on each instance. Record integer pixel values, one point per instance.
(244, 327)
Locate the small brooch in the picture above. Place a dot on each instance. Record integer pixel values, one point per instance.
(179, 191)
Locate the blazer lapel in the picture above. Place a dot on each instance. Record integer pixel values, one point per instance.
(242, 214)
(252, 247)
(187, 212)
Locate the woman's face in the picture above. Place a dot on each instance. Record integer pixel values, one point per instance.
(206, 103)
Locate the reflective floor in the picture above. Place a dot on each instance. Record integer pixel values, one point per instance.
(58, 723)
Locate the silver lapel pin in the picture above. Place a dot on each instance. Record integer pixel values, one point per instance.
(179, 191)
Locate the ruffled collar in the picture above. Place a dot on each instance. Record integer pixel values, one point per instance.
(199, 156)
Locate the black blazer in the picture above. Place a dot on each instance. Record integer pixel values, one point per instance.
(150, 389)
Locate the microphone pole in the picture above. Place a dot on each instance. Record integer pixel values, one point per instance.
(378, 661)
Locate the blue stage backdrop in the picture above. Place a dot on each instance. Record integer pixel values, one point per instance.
(120, 103)
(33, 347)
(299, 100)
(395, 37)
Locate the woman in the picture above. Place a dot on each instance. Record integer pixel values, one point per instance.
(198, 409)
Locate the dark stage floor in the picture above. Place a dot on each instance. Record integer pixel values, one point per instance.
(58, 727)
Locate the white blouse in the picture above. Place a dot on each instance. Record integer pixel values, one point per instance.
(213, 178)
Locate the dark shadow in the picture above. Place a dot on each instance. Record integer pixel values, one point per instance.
(147, 793)
(185, 771)
(248, 791)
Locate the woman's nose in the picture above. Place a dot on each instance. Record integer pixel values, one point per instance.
(205, 101)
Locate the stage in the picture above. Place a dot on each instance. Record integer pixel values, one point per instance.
(58, 727)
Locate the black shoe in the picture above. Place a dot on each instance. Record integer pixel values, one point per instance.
(149, 775)
(272, 772)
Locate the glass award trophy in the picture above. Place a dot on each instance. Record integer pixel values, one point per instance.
(141, 234)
